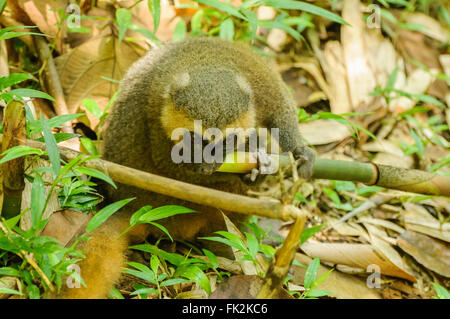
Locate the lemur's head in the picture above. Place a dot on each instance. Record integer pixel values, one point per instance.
(218, 97)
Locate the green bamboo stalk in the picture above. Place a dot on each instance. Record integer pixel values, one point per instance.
(409, 180)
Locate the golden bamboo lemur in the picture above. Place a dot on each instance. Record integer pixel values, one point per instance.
(221, 83)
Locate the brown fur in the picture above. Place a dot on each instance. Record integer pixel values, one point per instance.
(219, 82)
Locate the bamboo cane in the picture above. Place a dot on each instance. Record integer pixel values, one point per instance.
(409, 180)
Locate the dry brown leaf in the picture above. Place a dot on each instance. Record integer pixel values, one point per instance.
(383, 244)
(320, 132)
(45, 15)
(243, 287)
(167, 22)
(4, 67)
(360, 76)
(8, 282)
(383, 223)
(53, 203)
(81, 70)
(66, 225)
(248, 268)
(432, 253)
(355, 255)
(432, 28)
(342, 285)
(336, 75)
(418, 219)
(382, 55)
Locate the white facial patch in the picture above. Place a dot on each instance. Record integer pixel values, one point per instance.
(181, 80)
(243, 84)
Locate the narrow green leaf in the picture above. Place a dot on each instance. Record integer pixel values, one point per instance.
(154, 263)
(155, 9)
(123, 18)
(227, 29)
(31, 93)
(179, 33)
(9, 291)
(105, 213)
(9, 271)
(95, 173)
(13, 78)
(19, 151)
(309, 232)
(223, 6)
(93, 107)
(253, 245)
(164, 212)
(419, 144)
(37, 200)
(195, 274)
(311, 273)
(303, 6)
(89, 145)
(52, 147)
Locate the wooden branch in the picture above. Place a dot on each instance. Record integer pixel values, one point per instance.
(52, 79)
(185, 191)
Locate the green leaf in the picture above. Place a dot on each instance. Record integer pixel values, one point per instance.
(52, 148)
(95, 173)
(195, 274)
(137, 214)
(391, 80)
(154, 263)
(164, 212)
(227, 29)
(321, 279)
(148, 276)
(9, 271)
(123, 17)
(309, 232)
(60, 137)
(303, 6)
(19, 151)
(115, 294)
(252, 20)
(13, 78)
(196, 22)
(223, 6)
(9, 291)
(146, 33)
(31, 93)
(441, 292)
(173, 281)
(155, 9)
(89, 145)
(315, 293)
(211, 258)
(37, 200)
(275, 24)
(93, 107)
(179, 33)
(311, 273)
(253, 245)
(145, 291)
(419, 144)
(105, 213)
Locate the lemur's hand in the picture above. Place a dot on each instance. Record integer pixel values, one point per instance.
(305, 157)
(265, 167)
